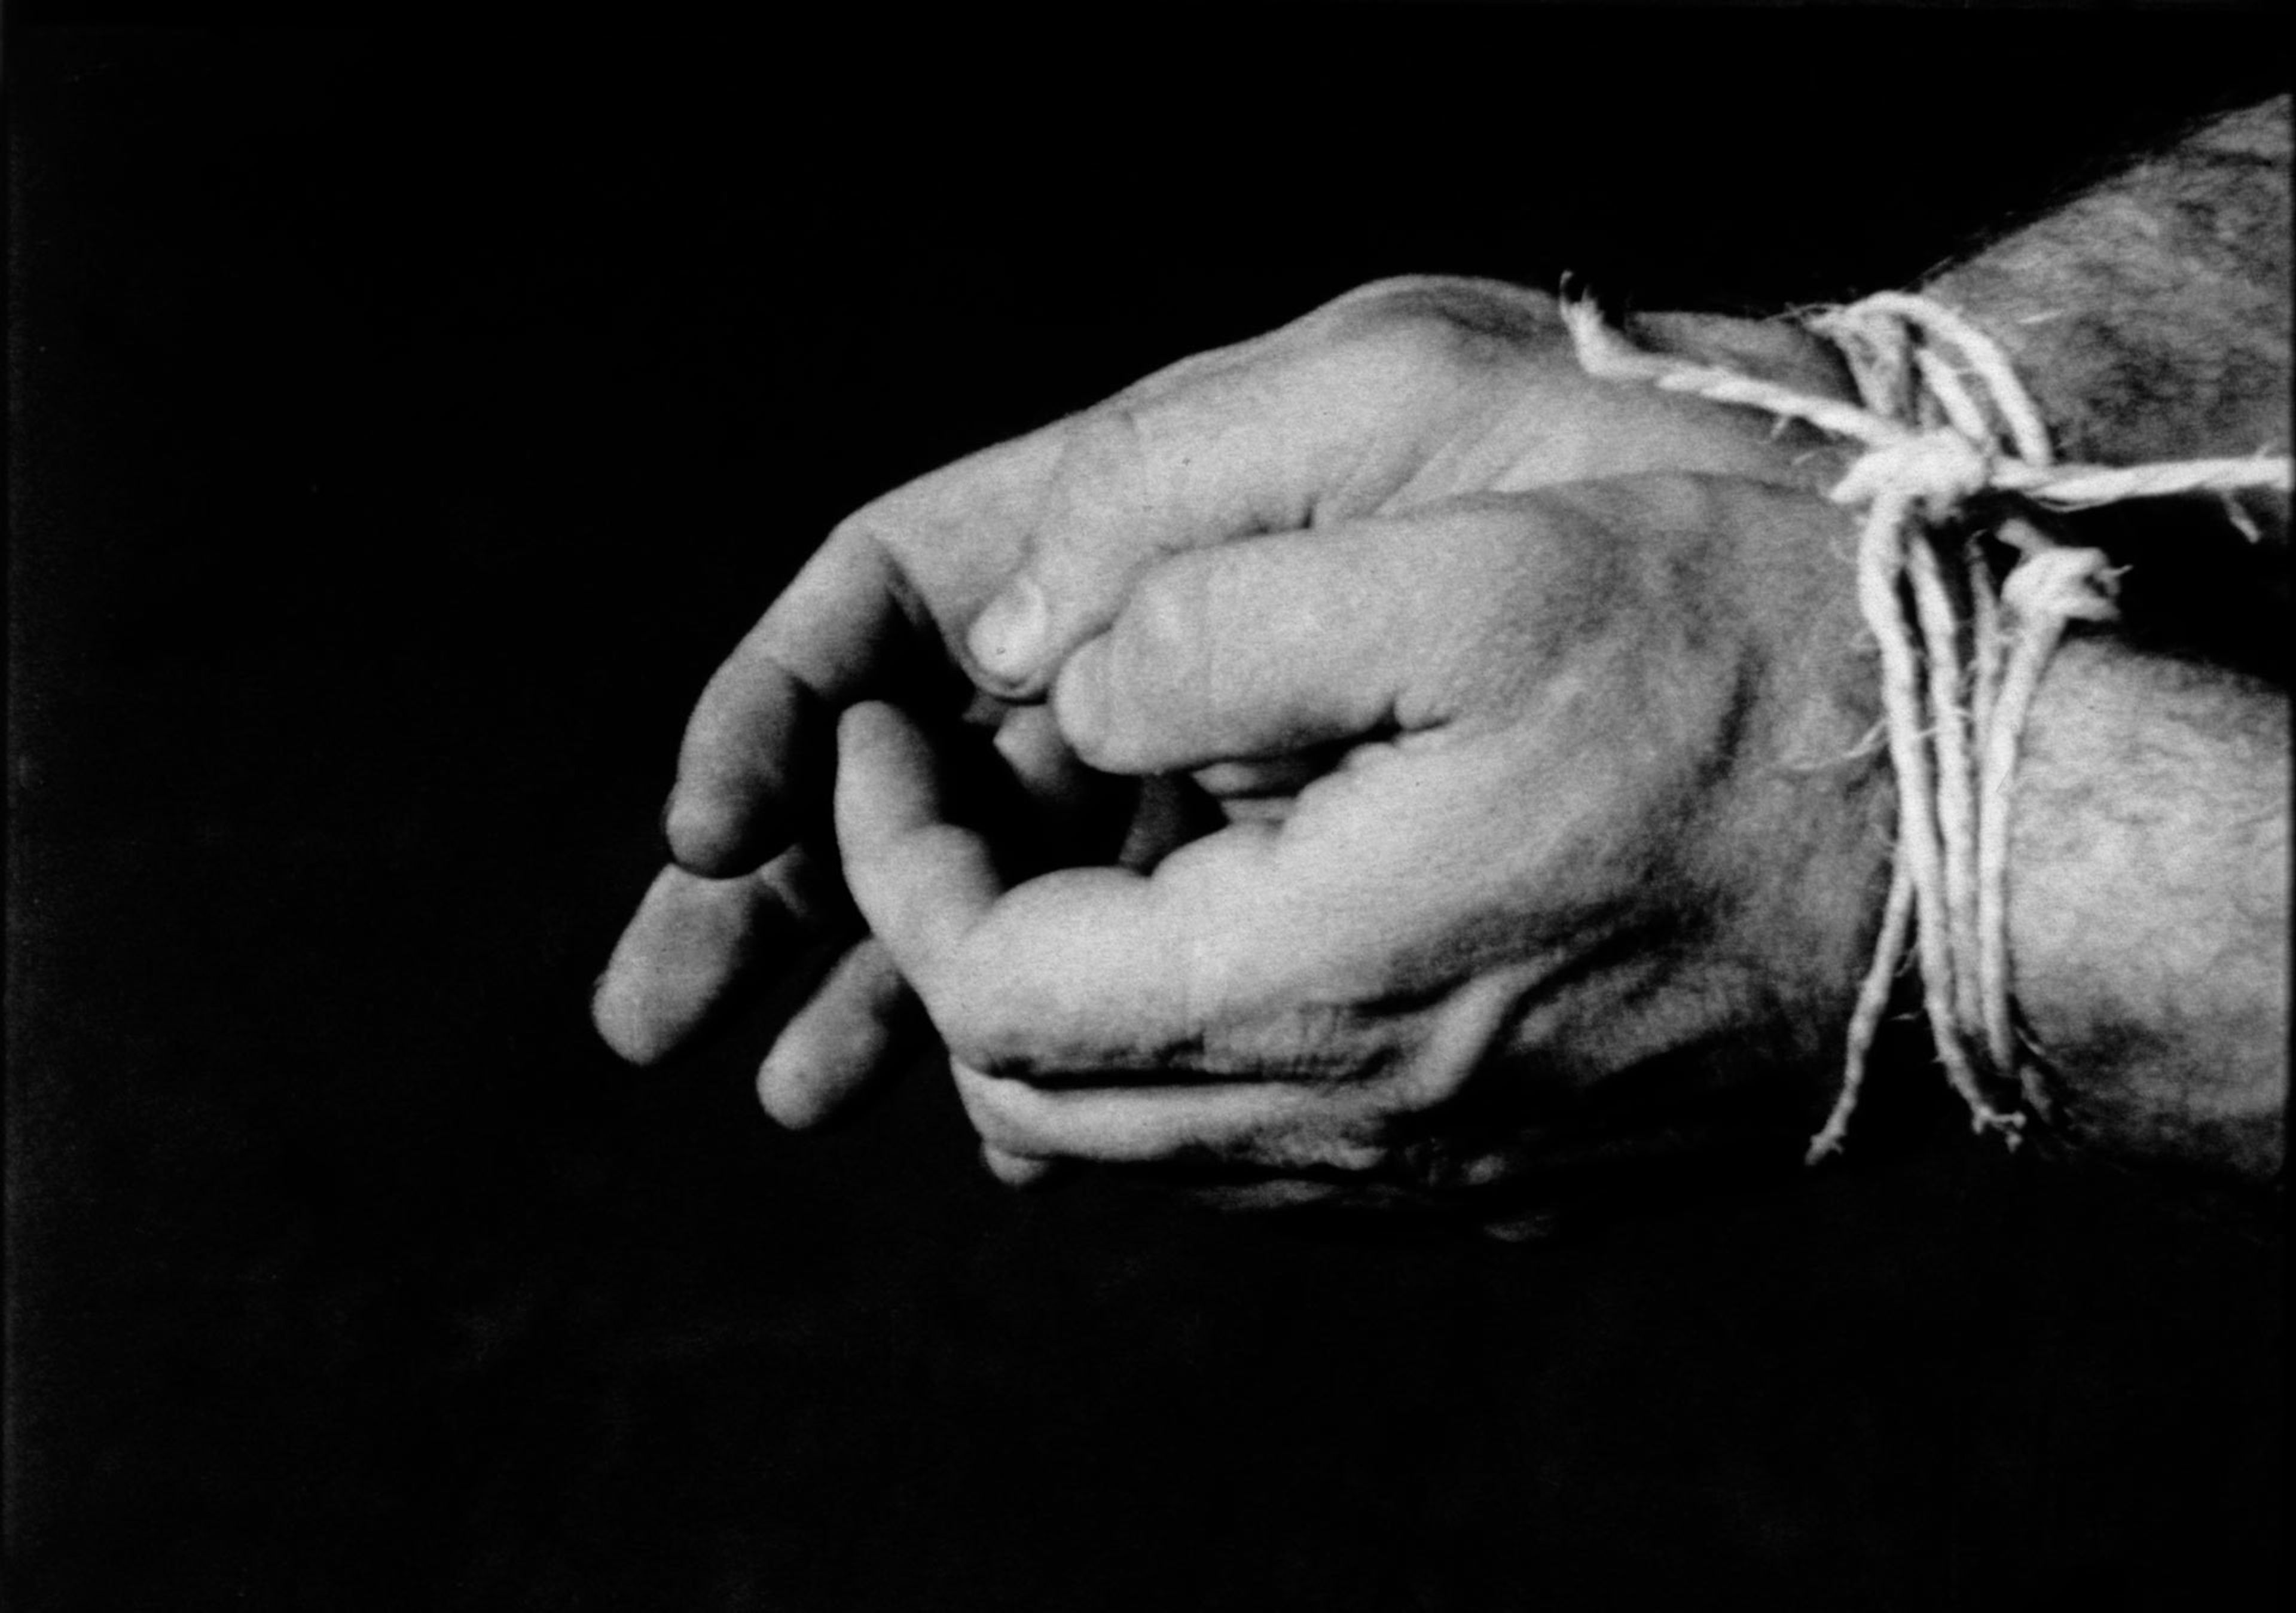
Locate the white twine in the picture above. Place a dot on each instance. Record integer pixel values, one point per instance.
(1943, 419)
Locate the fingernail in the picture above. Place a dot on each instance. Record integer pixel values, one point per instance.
(1009, 635)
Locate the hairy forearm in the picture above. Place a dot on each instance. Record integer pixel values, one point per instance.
(2150, 315)
(2148, 907)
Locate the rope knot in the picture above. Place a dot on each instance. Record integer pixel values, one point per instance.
(1931, 471)
(2068, 585)
(1944, 417)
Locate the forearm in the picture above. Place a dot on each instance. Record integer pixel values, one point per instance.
(2148, 907)
(2150, 315)
(2149, 904)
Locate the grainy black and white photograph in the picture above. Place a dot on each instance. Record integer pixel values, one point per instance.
(1386, 808)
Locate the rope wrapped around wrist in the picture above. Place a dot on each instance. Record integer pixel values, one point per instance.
(1944, 419)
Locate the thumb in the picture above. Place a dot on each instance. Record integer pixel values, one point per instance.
(1072, 587)
(1069, 590)
(1252, 439)
(1273, 645)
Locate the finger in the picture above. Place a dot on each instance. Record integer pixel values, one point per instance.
(1268, 1125)
(694, 942)
(1075, 815)
(1236, 781)
(920, 880)
(1016, 1170)
(1267, 648)
(928, 886)
(1013, 1170)
(1259, 438)
(1112, 484)
(861, 1027)
(1192, 968)
(766, 720)
(1167, 813)
(1043, 764)
(1252, 439)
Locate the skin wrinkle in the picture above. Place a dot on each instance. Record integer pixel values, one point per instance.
(1381, 480)
(1506, 939)
(1732, 706)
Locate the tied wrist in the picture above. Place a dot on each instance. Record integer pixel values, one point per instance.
(1944, 422)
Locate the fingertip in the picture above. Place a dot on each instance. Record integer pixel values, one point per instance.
(633, 1004)
(858, 1030)
(688, 950)
(868, 723)
(618, 1013)
(884, 776)
(1018, 1170)
(794, 1095)
(1080, 703)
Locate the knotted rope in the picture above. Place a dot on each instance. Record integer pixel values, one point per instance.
(1944, 418)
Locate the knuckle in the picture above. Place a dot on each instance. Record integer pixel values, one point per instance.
(860, 527)
(1443, 320)
(1106, 449)
(870, 540)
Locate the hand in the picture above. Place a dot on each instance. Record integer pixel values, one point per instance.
(1595, 874)
(1394, 398)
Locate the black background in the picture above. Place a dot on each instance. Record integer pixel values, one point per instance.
(403, 427)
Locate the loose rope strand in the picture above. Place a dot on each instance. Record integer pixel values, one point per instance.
(1957, 788)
